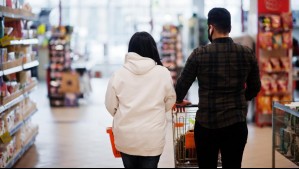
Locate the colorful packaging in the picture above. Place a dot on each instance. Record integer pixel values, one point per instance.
(287, 40)
(287, 20)
(286, 63)
(275, 64)
(266, 84)
(277, 41)
(266, 65)
(276, 22)
(266, 40)
(265, 23)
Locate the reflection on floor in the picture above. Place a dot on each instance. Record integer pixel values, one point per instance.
(76, 137)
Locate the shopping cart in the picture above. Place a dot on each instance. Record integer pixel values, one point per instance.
(185, 155)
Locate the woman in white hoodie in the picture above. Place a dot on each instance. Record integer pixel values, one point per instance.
(138, 97)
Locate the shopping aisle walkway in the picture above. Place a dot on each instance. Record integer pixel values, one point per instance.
(76, 138)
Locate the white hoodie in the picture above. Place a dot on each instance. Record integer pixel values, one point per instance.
(138, 97)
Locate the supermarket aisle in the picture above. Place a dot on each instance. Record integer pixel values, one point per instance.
(77, 137)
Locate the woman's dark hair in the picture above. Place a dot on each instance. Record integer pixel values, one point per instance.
(144, 45)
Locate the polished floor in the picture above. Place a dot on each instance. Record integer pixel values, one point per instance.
(76, 138)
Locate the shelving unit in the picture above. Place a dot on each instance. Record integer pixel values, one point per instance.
(274, 53)
(171, 50)
(18, 103)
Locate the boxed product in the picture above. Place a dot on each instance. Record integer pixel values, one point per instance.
(70, 83)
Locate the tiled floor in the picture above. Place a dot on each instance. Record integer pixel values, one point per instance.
(77, 138)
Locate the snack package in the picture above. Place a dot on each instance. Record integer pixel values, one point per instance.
(275, 64)
(287, 40)
(282, 85)
(286, 64)
(266, 83)
(265, 23)
(265, 104)
(277, 41)
(276, 22)
(286, 98)
(266, 40)
(274, 86)
(266, 65)
(287, 20)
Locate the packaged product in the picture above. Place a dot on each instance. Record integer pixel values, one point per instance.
(276, 22)
(266, 83)
(283, 85)
(274, 86)
(287, 20)
(265, 23)
(286, 63)
(287, 40)
(275, 64)
(277, 41)
(266, 65)
(264, 104)
(266, 40)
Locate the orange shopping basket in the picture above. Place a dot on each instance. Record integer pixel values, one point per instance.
(115, 152)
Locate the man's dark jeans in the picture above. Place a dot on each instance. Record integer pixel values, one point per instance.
(230, 141)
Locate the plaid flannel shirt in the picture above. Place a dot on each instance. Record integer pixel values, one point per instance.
(228, 77)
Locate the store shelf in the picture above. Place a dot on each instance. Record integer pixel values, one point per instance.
(30, 115)
(16, 14)
(16, 128)
(24, 42)
(20, 153)
(12, 70)
(14, 102)
(30, 65)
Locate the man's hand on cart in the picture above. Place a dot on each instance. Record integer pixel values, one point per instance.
(180, 107)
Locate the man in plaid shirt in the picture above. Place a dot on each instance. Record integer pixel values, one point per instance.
(228, 77)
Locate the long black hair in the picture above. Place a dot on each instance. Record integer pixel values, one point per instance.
(144, 45)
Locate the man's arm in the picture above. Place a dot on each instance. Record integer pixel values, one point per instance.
(187, 77)
(253, 81)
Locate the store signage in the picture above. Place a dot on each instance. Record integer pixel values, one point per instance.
(273, 6)
(6, 138)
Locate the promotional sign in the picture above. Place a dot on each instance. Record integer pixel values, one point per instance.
(273, 6)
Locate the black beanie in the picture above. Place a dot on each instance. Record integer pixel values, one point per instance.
(221, 18)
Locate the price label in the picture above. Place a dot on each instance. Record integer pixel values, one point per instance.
(6, 138)
(5, 41)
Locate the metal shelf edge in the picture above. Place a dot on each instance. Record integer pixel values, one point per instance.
(31, 65)
(13, 70)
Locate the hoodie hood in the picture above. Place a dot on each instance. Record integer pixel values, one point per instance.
(138, 65)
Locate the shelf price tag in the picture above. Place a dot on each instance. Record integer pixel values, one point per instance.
(5, 41)
(6, 138)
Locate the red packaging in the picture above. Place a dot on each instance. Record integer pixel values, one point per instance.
(286, 64)
(276, 22)
(287, 20)
(266, 84)
(275, 64)
(9, 3)
(287, 40)
(266, 40)
(266, 65)
(283, 85)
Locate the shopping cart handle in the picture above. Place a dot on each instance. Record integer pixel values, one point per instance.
(188, 106)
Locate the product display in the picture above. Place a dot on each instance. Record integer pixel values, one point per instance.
(171, 50)
(63, 84)
(274, 52)
(17, 58)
